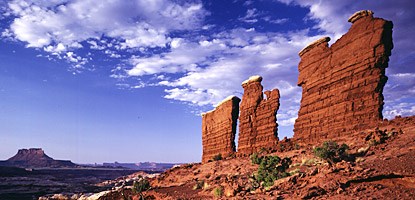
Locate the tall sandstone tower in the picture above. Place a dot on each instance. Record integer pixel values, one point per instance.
(257, 118)
(219, 129)
(343, 84)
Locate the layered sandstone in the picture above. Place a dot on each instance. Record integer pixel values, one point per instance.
(219, 129)
(257, 119)
(343, 84)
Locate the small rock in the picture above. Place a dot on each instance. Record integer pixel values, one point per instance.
(314, 191)
(313, 172)
(339, 190)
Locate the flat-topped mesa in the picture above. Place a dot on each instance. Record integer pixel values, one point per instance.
(257, 118)
(343, 84)
(219, 129)
(36, 158)
(24, 154)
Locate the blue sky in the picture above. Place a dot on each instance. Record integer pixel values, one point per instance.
(115, 80)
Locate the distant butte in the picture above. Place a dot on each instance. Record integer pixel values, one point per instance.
(35, 158)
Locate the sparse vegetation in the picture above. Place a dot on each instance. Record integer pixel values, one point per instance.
(141, 186)
(199, 185)
(310, 162)
(217, 157)
(374, 142)
(295, 171)
(270, 169)
(331, 152)
(218, 191)
(255, 159)
(378, 136)
(263, 150)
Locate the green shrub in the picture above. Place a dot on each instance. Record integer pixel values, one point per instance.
(374, 142)
(295, 171)
(331, 152)
(263, 150)
(218, 191)
(255, 159)
(217, 157)
(310, 162)
(270, 169)
(141, 185)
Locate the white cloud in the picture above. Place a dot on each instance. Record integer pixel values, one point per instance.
(331, 16)
(287, 122)
(407, 76)
(59, 26)
(275, 21)
(95, 45)
(402, 109)
(250, 17)
(175, 42)
(215, 68)
(183, 58)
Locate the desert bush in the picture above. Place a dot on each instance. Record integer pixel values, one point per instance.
(218, 191)
(217, 157)
(263, 150)
(310, 162)
(255, 159)
(295, 171)
(270, 169)
(199, 185)
(141, 185)
(331, 152)
(374, 142)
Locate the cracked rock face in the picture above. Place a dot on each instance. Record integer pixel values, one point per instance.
(343, 84)
(257, 119)
(219, 129)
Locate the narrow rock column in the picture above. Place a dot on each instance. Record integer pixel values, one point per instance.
(219, 129)
(257, 120)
